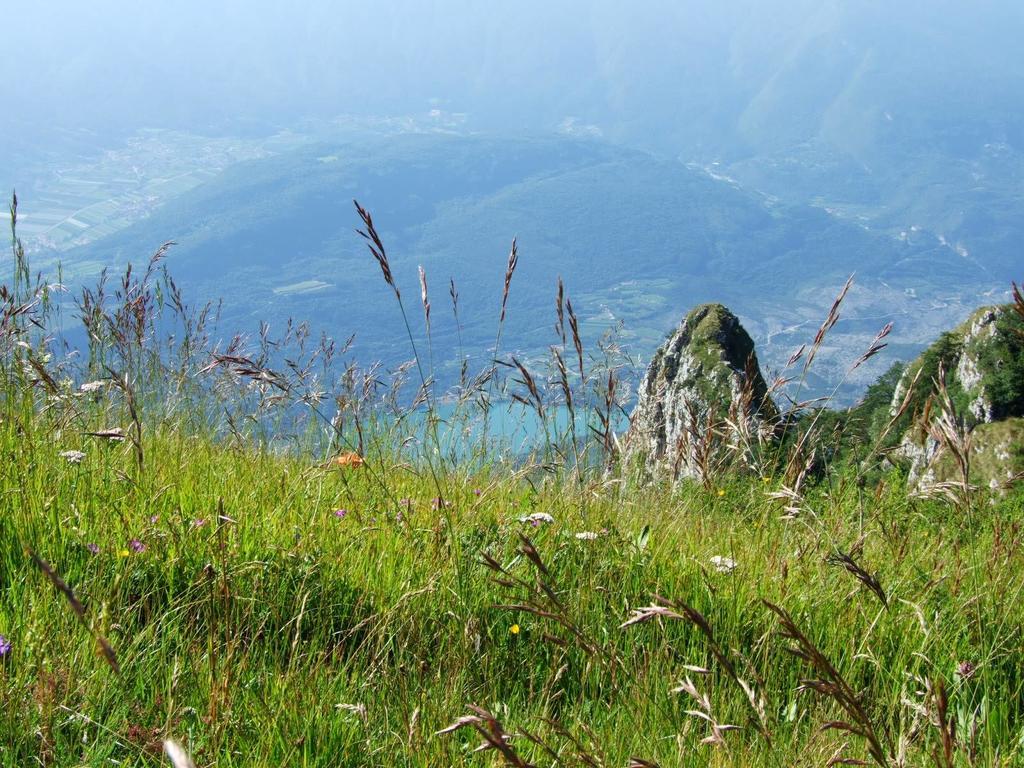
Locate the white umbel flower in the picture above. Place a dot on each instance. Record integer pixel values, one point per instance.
(723, 564)
(72, 457)
(537, 518)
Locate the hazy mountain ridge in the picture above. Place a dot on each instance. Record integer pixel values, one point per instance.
(636, 238)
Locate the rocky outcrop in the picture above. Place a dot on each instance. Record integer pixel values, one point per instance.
(703, 399)
(983, 364)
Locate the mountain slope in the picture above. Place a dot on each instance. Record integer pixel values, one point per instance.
(635, 237)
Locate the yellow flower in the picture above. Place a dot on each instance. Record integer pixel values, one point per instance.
(721, 492)
(124, 553)
(514, 629)
(766, 479)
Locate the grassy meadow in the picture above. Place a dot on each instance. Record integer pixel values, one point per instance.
(182, 559)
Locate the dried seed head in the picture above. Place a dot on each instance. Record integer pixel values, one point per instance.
(560, 310)
(875, 347)
(423, 296)
(830, 320)
(510, 268)
(376, 246)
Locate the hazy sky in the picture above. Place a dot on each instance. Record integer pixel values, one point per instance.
(663, 70)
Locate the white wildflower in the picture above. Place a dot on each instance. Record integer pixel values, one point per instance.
(72, 457)
(536, 518)
(723, 564)
(92, 386)
(586, 535)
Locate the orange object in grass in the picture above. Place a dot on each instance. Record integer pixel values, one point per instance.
(348, 459)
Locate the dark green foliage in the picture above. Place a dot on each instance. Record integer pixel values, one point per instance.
(995, 348)
(844, 438)
(942, 355)
(868, 418)
(1001, 362)
(873, 412)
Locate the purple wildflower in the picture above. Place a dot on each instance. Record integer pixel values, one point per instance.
(340, 513)
(5, 646)
(476, 491)
(94, 548)
(136, 546)
(966, 669)
(199, 523)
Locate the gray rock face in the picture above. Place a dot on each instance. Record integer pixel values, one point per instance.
(981, 331)
(702, 400)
